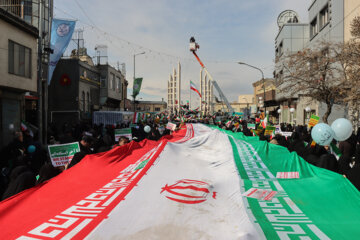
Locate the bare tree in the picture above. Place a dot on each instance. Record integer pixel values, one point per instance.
(350, 59)
(315, 73)
(355, 27)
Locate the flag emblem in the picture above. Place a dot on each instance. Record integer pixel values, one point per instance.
(188, 191)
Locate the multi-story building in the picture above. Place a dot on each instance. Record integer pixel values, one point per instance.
(37, 13)
(150, 106)
(74, 91)
(245, 104)
(18, 71)
(292, 37)
(78, 88)
(329, 21)
(113, 88)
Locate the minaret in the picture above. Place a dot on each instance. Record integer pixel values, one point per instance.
(170, 93)
(211, 98)
(174, 90)
(208, 102)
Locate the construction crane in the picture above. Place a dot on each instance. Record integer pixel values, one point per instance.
(193, 47)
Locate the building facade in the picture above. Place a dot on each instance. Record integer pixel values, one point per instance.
(292, 37)
(329, 21)
(113, 88)
(18, 71)
(151, 106)
(78, 88)
(245, 104)
(74, 92)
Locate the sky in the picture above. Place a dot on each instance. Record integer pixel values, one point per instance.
(227, 31)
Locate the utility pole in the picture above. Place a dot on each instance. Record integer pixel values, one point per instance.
(39, 82)
(263, 80)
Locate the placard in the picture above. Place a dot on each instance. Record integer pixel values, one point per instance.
(286, 134)
(123, 132)
(269, 130)
(260, 194)
(287, 175)
(171, 126)
(61, 154)
(313, 121)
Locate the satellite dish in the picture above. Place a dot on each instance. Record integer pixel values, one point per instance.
(287, 16)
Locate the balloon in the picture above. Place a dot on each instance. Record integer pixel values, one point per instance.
(31, 148)
(147, 129)
(342, 129)
(322, 134)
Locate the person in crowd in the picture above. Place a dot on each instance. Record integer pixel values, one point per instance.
(85, 149)
(21, 178)
(296, 144)
(122, 141)
(353, 174)
(11, 155)
(48, 171)
(66, 137)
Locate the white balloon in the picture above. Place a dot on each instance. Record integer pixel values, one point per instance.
(147, 129)
(342, 129)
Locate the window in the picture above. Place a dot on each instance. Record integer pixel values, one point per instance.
(83, 101)
(281, 49)
(313, 28)
(324, 16)
(19, 60)
(103, 82)
(118, 83)
(157, 109)
(88, 101)
(112, 81)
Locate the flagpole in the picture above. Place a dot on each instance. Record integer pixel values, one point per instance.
(190, 96)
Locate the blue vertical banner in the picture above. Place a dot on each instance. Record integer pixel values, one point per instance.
(61, 33)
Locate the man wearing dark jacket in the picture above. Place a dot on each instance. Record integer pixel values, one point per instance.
(85, 144)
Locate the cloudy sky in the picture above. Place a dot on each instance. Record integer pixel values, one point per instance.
(227, 31)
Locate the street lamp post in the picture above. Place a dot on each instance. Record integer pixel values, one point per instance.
(134, 79)
(263, 79)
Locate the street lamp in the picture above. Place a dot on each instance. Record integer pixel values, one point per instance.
(292, 110)
(134, 78)
(263, 79)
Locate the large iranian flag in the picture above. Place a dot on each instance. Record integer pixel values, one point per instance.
(199, 183)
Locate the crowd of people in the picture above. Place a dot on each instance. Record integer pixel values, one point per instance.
(340, 157)
(26, 163)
